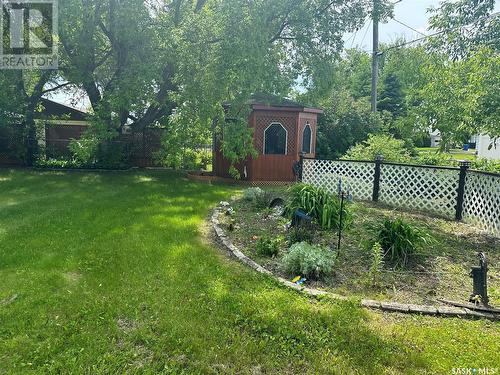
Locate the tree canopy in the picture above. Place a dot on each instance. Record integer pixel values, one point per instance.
(175, 63)
(150, 63)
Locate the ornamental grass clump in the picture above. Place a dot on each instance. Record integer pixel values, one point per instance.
(400, 241)
(318, 203)
(312, 262)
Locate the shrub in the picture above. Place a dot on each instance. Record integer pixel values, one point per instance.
(300, 234)
(310, 261)
(434, 158)
(260, 198)
(400, 240)
(483, 164)
(112, 155)
(268, 247)
(251, 194)
(322, 206)
(392, 149)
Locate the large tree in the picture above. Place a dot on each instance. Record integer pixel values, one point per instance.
(139, 60)
(461, 98)
(20, 96)
(464, 25)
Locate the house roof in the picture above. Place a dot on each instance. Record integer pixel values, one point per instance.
(51, 109)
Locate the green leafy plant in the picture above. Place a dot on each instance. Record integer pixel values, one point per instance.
(377, 254)
(322, 206)
(434, 158)
(400, 240)
(300, 234)
(267, 246)
(483, 164)
(310, 261)
(392, 149)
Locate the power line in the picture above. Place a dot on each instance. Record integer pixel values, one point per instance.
(409, 27)
(354, 38)
(491, 16)
(366, 32)
(350, 38)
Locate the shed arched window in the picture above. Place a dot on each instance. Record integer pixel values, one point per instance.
(307, 139)
(275, 139)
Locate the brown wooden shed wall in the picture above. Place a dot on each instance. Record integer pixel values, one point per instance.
(272, 167)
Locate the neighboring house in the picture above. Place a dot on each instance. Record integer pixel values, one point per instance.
(484, 145)
(282, 131)
(56, 123)
(59, 124)
(435, 138)
(488, 149)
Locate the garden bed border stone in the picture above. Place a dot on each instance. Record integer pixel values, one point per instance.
(444, 311)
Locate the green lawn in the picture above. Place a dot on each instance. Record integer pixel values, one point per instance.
(455, 154)
(113, 273)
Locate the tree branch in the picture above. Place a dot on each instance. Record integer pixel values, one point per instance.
(199, 5)
(56, 88)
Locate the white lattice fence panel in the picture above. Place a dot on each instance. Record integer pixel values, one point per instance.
(424, 189)
(482, 201)
(355, 176)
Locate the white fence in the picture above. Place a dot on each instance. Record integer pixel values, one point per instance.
(482, 201)
(436, 190)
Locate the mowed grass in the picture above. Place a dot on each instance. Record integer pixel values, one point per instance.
(111, 272)
(455, 154)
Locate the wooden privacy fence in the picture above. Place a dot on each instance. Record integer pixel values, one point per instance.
(454, 193)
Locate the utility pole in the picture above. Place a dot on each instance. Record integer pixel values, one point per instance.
(375, 55)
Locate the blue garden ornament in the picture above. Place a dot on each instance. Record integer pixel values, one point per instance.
(349, 196)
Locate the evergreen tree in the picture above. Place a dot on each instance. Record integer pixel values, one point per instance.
(392, 98)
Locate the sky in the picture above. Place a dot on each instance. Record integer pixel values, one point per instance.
(410, 12)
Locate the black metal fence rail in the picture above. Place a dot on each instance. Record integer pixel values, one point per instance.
(455, 193)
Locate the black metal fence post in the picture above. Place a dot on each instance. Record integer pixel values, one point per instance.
(376, 178)
(301, 165)
(464, 166)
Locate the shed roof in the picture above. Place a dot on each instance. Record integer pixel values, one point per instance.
(269, 102)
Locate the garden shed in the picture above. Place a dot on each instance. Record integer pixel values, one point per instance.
(282, 130)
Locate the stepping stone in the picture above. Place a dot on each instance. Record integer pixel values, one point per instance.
(423, 309)
(446, 310)
(371, 304)
(481, 315)
(393, 306)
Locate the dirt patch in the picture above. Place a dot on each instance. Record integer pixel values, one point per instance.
(9, 300)
(127, 325)
(142, 355)
(72, 277)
